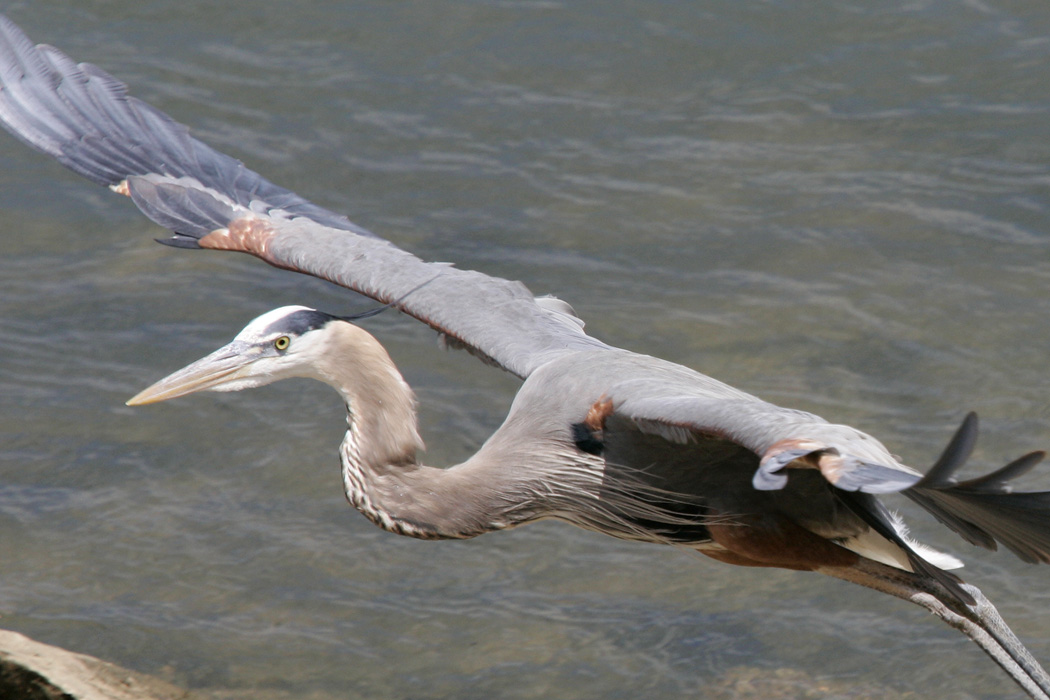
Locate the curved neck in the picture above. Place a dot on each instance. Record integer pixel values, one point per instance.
(382, 476)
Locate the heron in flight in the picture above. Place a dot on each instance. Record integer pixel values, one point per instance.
(604, 438)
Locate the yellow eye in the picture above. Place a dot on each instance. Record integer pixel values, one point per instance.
(282, 343)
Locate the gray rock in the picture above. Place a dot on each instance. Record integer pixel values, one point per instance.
(30, 670)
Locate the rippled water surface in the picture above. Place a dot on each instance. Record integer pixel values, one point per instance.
(841, 207)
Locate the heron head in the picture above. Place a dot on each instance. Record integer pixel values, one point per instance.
(282, 343)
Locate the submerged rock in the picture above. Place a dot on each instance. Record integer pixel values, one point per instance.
(753, 683)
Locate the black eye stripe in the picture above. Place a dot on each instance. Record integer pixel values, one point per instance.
(299, 322)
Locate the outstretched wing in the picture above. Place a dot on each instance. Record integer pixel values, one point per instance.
(84, 118)
(782, 439)
(985, 511)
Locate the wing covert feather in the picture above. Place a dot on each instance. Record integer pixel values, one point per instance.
(764, 428)
(985, 511)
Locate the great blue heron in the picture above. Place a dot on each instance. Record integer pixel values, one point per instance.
(614, 441)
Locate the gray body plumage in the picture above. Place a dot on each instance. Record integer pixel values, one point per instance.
(607, 439)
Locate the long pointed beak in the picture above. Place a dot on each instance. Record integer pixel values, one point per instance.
(225, 365)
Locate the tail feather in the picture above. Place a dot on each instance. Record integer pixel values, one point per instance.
(954, 455)
(996, 482)
(1019, 521)
(985, 511)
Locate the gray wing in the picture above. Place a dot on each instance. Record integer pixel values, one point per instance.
(782, 439)
(984, 510)
(84, 118)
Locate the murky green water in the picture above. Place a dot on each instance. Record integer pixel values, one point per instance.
(838, 206)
